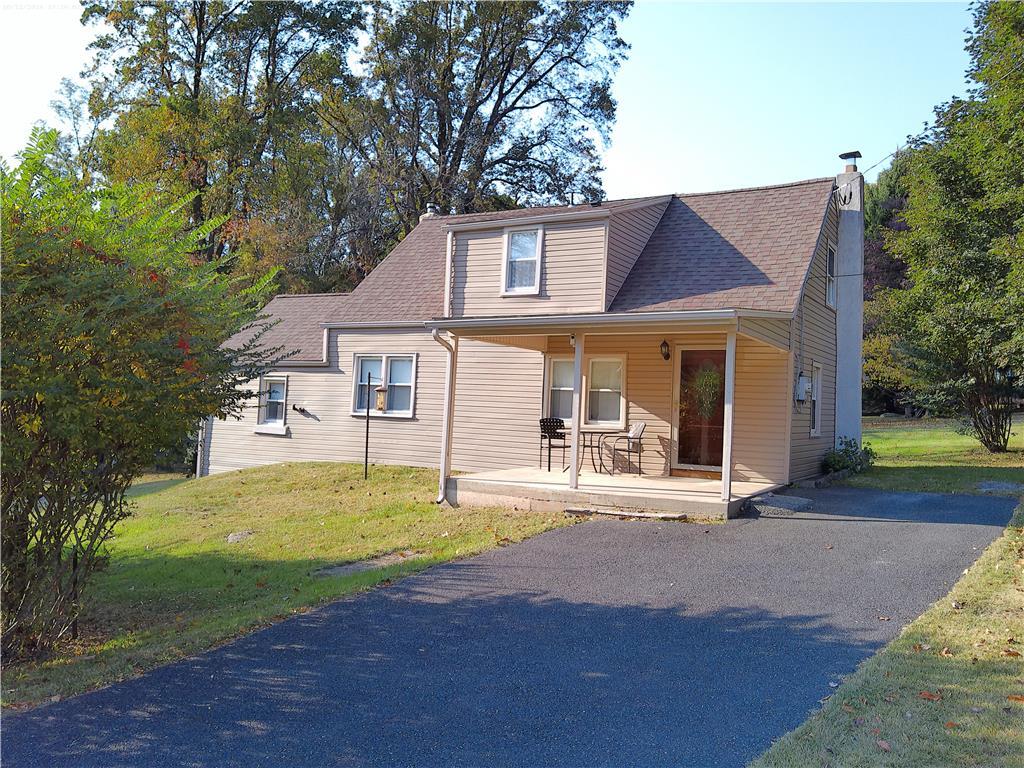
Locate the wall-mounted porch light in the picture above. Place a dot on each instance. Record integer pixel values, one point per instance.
(664, 350)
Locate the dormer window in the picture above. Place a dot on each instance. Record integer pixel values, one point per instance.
(521, 265)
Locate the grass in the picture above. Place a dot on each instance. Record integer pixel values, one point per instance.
(943, 692)
(928, 455)
(174, 586)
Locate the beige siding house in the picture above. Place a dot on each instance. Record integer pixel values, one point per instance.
(704, 325)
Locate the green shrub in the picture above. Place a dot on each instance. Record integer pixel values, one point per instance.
(848, 455)
(112, 350)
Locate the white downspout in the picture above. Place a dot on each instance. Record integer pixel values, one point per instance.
(447, 415)
(577, 410)
(730, 394)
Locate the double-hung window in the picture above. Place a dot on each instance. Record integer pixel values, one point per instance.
(605, 401)
(397, 372)
(272, 405)
(521, 265)
(815, 400)
(830, 276)
(560, 373)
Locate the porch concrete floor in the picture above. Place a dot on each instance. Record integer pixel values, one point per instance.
(534, 487)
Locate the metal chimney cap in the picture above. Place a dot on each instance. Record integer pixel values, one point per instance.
(855, 155)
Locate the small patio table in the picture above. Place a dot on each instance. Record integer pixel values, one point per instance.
(592, 439)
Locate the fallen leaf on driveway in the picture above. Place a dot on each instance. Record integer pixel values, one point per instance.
(929, 696)
(884, 618)
(883, 745)
(951, 724)
(1015, 697)
(945, 652)
(1010, 652)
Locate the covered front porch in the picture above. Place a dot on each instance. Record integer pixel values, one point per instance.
(711, 390)
(536, 489)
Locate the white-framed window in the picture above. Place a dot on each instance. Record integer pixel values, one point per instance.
(520, 266)
(606, 401)
(559, 393)
(830, 275)
(815, 400)
(399, 374)
(273, 405)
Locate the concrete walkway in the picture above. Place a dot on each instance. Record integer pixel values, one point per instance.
(610, 643)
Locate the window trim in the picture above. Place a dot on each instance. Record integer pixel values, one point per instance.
(506, 239)
(831, 288)
(271, 427)
(815, 400)
(588, 370)
(546, 405)
(385, 358)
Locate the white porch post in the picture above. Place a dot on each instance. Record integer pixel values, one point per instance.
(730, 391)
(448, 414)
(577, 411)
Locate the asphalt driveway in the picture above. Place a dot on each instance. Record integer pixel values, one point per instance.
(618, 643)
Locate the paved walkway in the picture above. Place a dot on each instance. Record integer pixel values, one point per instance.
(610, 643)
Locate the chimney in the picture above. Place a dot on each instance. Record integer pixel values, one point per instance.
(849, 275)
(431, 211)
(851, 160)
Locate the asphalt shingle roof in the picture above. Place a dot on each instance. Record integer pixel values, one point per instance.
(742, 249)
(745, 249)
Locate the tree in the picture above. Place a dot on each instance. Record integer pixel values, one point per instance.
(475, 105)
(216, 100)
(962, 335)
(112, 341)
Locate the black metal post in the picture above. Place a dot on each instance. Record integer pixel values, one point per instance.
(366, 447)
(74, 592)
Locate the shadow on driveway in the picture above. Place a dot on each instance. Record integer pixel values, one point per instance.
(607, 643)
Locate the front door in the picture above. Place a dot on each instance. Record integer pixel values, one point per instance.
(700, 408)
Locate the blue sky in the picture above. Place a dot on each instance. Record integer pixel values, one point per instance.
(714, 96)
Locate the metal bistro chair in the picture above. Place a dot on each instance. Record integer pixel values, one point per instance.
(634, 444)
(552, 430)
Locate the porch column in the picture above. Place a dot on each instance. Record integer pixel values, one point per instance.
(730, 391)
(577, 411)
(448, 414)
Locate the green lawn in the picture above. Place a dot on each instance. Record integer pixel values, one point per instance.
(174, 585)
(928, 455)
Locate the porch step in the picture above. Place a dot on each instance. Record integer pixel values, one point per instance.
(772, 505)
(626, 512)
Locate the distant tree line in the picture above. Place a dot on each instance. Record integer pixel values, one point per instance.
(944, 261)
(321, 131)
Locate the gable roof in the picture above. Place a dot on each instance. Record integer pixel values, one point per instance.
(740, 249)
(743, 249)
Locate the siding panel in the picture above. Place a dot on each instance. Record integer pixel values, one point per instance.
(571, 280)
(814, 341)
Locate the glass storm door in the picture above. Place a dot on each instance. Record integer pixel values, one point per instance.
(701, 416)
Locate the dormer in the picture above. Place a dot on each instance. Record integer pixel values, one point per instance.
(546, 261)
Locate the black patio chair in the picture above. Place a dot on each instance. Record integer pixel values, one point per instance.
(633, 444)
(552, 431)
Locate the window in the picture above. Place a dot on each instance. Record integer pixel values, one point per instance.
(815, 400)
(521, 267)
(272, 405)
(399, 374)
(604, 392)
(830, 276)
(560, 372)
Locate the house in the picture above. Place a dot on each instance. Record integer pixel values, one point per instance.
(729, 323)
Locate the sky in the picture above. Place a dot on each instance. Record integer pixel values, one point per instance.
(713, 95)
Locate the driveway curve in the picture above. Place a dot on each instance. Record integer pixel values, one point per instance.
(609, 643)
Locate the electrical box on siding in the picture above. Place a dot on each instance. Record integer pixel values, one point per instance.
(803, 387)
